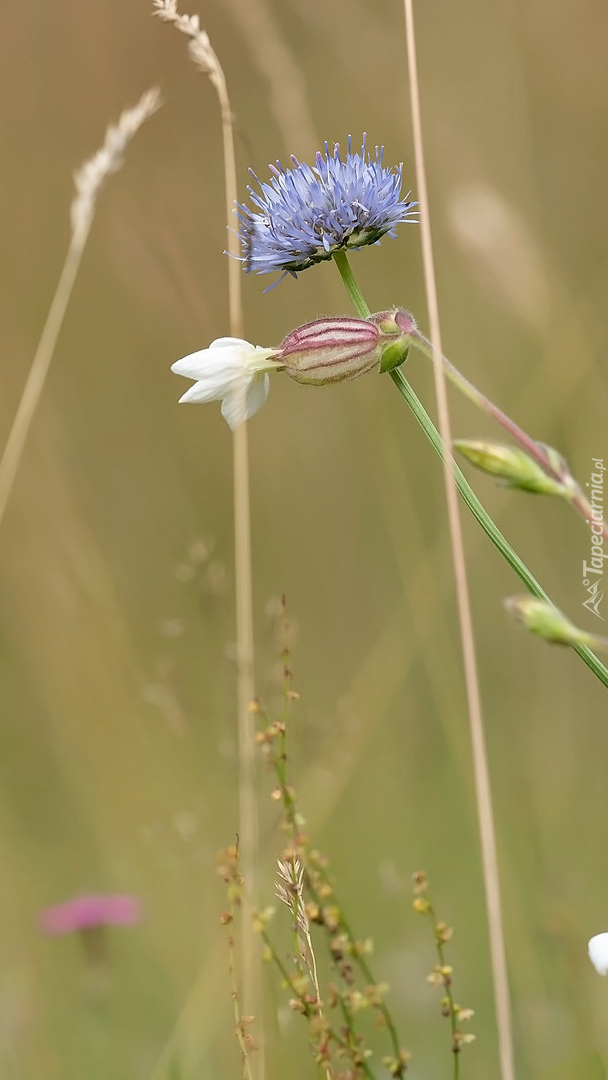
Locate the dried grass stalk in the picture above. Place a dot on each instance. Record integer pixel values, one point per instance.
(88, 181)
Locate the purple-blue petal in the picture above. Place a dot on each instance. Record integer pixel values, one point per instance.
(304, 214)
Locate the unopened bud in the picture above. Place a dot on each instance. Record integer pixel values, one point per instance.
(397, 325)
(330, 350)
(542, 618)
(395, 321)
(516, 468)
(338, 348)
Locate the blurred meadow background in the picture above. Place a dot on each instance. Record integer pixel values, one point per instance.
(118, 731)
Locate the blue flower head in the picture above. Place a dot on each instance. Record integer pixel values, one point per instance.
(305, 214)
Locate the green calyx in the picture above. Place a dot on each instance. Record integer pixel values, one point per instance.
(394, 355)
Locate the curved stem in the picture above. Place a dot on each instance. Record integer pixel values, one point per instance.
(536, 450)
(475, 506)
(491, 530)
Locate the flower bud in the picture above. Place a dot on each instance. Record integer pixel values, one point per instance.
(395, 321)
(330, 350)
(542, 618)
(339, 348)
(396, 325)
(514, 466)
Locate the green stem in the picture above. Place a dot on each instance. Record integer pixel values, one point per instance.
(491, 530)
(447, 986)
(307, 1008)
(363, 966)
(353, 290)
(573, 492)
(290, 811)
(234, 994)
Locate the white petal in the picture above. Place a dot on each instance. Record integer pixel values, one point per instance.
(207, 364)
(257, 392)
(598, 953)
(203, 390)
(226, 342)
(191, 365)
(234, 406)
(245, 400)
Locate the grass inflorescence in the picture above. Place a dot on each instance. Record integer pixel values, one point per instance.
(327, 975)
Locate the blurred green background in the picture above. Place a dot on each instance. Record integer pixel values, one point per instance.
(117, 733)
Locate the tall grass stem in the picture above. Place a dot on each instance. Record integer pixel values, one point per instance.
(205, 58)
(88, 182)
(248, 811)
(483, 790)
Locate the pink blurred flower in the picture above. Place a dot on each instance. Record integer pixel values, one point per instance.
(86, 912)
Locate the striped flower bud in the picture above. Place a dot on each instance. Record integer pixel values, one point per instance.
(338, 348)
(330, 350)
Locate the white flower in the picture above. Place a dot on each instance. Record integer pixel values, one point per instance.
(598, 953)
(230, 370)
